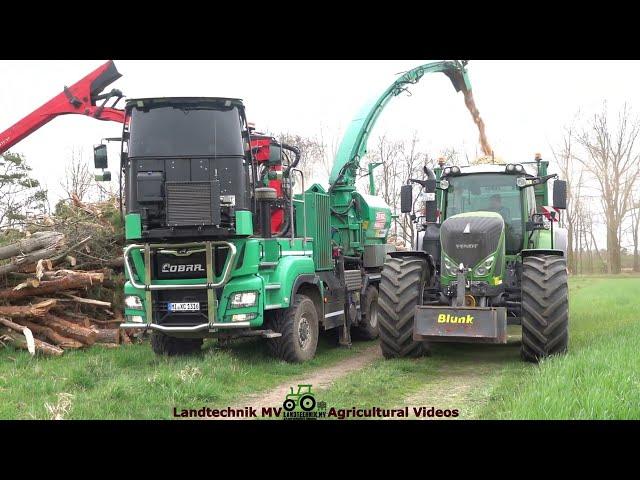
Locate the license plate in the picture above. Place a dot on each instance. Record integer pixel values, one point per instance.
(184, 307)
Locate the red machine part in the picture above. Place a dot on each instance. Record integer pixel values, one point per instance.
(79, 99)
(261, 147)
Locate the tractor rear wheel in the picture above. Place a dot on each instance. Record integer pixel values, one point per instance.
(401, 286)
(162, 344)
(299, 327)
(545, 307)
(368, 328)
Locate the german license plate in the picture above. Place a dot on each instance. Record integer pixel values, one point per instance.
(184, 307)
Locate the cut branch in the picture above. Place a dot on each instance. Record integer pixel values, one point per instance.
(70, 282)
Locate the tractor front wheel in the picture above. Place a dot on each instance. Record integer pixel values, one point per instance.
(162, 344)
(299, 327)
(401, 285)
(545, 307)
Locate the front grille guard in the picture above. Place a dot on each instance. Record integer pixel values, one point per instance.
(210, 285)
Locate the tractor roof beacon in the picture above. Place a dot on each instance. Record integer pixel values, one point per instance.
(482, 251)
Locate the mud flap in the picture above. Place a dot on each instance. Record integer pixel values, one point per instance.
(461, 324)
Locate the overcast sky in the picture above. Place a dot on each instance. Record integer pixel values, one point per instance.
(524, 103)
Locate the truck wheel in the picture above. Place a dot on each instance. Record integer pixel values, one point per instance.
(545, 307)
(299, 327)
(401, 287)
(368, 328)
(164, 345)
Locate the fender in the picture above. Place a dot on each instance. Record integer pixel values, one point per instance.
(314, 280)
(419, 254)
(531, 252)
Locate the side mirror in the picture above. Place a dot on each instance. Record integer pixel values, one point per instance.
(406, 198)
(100, 156)
(560, 194)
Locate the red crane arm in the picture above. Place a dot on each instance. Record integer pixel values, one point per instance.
(80, 99)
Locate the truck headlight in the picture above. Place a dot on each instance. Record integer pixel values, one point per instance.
(243, 317)
(133, 301)
(244, 299)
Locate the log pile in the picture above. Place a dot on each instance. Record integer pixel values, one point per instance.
(47, 309)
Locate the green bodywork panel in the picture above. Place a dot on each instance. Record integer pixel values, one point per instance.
(132, 226)
(265, 262)
(244, 222)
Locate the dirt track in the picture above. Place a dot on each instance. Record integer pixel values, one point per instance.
(320, 379)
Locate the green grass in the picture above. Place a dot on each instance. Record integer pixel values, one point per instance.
(599, 378)
(132, 383)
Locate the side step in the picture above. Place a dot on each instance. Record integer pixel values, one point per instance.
(260, 333)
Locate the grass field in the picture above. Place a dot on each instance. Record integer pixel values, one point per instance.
(598, 379)
(132, 383)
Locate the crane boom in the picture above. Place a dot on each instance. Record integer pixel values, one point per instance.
(79, 99)
(354, 143)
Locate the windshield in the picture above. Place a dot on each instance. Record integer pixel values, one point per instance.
(489, 193)
(183, 131)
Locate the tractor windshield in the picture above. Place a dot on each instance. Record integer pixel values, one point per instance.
(489, 193)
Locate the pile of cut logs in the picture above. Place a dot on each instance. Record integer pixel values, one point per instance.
(45, 309)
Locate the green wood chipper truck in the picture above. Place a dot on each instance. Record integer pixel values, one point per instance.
(220, 245)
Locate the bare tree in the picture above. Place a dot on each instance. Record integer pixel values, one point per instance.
(612, 159)
(570, 170)
(634, 213)
(78, 180)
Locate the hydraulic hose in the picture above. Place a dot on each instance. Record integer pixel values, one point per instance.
(296, 152)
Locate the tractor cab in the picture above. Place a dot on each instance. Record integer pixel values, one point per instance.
(475, 224)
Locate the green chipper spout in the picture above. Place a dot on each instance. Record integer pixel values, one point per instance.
(354, 144)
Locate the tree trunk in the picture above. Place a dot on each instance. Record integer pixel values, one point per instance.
(71, 330)
(70, 282)
(570, 251)
(108, 335)
(51, 334)
(20, 341)
(37, 241)
(37, 310)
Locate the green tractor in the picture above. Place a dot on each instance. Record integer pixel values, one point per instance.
(486, 256)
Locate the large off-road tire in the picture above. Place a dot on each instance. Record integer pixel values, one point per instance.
(401, 286)
(164, 345)
(299, 327)
(545, 307)
(368, 328)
